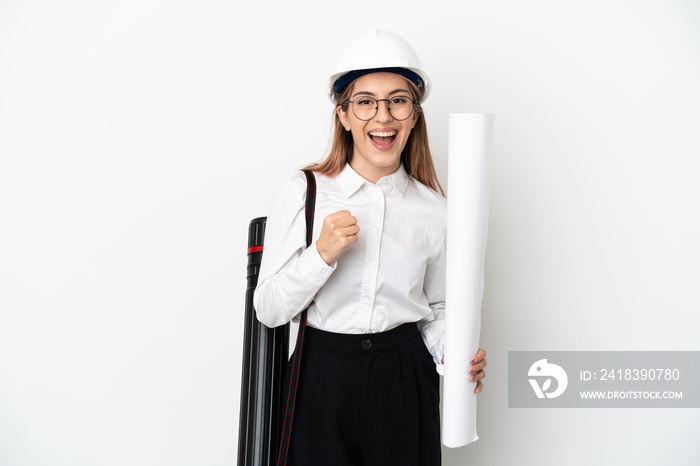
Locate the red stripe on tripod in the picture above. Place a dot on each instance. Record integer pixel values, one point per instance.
(255, 249)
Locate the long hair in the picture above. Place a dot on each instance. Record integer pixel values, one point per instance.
(416, 155)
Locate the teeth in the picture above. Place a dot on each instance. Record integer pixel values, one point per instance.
(382, 134)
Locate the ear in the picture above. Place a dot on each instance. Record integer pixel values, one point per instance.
(343, 118)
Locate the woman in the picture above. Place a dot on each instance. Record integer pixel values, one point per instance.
(373, 279)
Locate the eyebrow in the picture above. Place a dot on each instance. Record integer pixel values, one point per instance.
(371, 94)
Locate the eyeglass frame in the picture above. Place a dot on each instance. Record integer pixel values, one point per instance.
(376, 109)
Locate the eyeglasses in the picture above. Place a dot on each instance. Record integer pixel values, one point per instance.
(365, 108)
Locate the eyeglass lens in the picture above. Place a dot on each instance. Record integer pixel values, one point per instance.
(365, 108)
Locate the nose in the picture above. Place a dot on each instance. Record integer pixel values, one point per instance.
(383, 113)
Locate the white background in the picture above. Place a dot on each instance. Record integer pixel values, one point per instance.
(138, 138)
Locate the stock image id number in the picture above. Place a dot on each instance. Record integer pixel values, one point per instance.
(631, 374)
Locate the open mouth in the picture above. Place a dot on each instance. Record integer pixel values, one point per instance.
(383, 138)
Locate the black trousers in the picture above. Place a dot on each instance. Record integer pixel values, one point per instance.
(370, 400)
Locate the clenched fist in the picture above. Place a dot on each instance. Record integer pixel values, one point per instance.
(339, 231)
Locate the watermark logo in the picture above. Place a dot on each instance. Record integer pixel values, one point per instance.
(546, 372)
(603, 379)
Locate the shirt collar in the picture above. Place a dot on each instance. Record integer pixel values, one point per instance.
(350, 181)
(399, 179)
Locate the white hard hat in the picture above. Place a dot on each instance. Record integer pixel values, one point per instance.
(375, 51)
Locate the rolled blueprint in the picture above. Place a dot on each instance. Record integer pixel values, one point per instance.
(468, 179)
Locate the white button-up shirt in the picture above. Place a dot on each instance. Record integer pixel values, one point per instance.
(393, 274)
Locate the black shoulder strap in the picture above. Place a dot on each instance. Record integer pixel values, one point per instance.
(310, 205)
(296, 359)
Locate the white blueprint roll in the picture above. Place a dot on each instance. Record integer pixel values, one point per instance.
(468, 183)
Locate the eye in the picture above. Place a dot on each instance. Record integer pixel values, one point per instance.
(399, 101)
(365, 102)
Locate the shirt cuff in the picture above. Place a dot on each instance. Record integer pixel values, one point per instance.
(438, 352)
(440, 368)
(313, 269)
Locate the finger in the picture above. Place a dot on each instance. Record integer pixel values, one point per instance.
(478, 376)
(351, 230)
(339, 214)
(337, 223)
(477, 367)
(347, 240)
(481, 354)
(479, 387)
(346, 233)
(346, 221)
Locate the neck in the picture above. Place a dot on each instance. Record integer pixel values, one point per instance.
(373, 173)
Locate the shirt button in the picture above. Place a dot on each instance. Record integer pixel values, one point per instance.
(375, 227)
(366, 343)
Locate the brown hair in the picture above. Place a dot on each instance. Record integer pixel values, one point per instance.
(416, 155)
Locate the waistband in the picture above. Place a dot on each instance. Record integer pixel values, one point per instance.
(365, 342)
